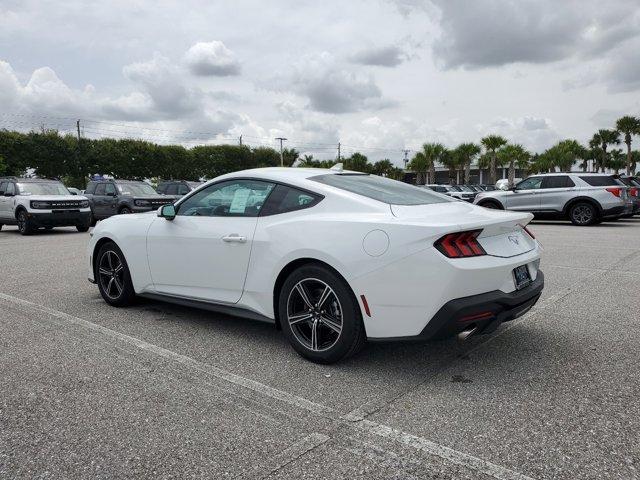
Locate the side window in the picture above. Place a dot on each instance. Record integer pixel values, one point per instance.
(3, 186)
(109, 189)
(171, 189)
(288, 199)
(233, 198)
(10, 188)
(183, 189)
(91, 188)
(100, 189)
(531, 183)
(161, 188)
(555, 181)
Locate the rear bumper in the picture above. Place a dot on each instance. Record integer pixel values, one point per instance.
(485, 311)
(614, 211)
(59, 219)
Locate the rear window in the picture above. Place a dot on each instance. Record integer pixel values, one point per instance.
(382, 189)
(601, 181)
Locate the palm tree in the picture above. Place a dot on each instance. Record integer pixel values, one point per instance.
(419, 165)
(515, 156)
(383, 167)
(467, 152)
(617, 160)
(604, 138)
(451, 160)
(425, 161)
(491, 144)
(629, 126)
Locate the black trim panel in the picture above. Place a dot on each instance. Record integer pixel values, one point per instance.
(212, 307)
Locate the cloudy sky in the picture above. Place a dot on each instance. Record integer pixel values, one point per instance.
(377, 75)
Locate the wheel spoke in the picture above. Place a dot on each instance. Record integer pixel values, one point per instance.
(299, 318)
(118, 285)
(325, 294)
(104, 271)
(109, 260)
(108, 289)
(332, 324)
(119, 268)
(303, 293)
(314, 336)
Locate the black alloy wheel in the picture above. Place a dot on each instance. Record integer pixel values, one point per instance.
(320, 315)
(582, 214)
(113, 276)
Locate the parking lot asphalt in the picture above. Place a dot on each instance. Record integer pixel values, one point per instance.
(160, 391)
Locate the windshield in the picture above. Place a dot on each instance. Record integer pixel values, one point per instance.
(44, 188)
(382, 189)
(136, 189)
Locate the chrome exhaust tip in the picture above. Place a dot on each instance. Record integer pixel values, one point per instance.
(465, 334)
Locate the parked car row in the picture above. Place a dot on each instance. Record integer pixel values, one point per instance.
(461, 192)
(582, 198)
(36, 203)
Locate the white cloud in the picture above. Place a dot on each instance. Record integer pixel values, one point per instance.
(211, 59)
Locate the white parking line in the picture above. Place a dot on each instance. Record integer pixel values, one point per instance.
(367, 426)
(453, 456)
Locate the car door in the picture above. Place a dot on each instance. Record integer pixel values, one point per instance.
(3, 200)
(524, 196)
(555, 192)
(100, 201)
(204, 252)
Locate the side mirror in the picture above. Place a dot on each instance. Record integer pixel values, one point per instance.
(167, 212)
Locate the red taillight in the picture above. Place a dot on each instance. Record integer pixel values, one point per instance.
(529, 232)
(617, 191)
(633, 192)
(460, 244)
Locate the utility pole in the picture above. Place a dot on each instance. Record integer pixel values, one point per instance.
(282, 139)
(406, 160)
(338, 152)
(78, 129)
(240, 139)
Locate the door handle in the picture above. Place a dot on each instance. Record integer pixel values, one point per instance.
(234, 238)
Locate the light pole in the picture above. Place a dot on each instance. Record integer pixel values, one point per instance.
(282, 139)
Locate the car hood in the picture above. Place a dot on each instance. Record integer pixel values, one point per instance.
(55, 198)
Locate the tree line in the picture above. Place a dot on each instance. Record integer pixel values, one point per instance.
(495, 151)
(74, 160)
(49, 154)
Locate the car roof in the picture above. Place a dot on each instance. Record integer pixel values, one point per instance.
(589, 174)
(287, 174)
(31, 180)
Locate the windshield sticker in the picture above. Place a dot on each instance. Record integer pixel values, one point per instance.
(239, 202)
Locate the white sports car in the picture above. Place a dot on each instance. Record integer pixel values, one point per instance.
(332, 258)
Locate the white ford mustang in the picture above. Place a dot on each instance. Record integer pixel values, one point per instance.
(332, 258)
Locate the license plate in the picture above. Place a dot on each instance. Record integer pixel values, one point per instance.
(521, 276)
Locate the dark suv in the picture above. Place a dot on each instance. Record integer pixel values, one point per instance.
(111, 197)
(177, 187)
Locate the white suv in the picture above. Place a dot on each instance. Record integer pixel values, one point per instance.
(583, 198)
(33, 203)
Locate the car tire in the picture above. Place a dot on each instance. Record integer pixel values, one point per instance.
(82, 228)
(491, 204)
(1, 226)
(92, 220)
(25, 226)
(319, 315)
(113, 277)
(583, 214)
(124, 211)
